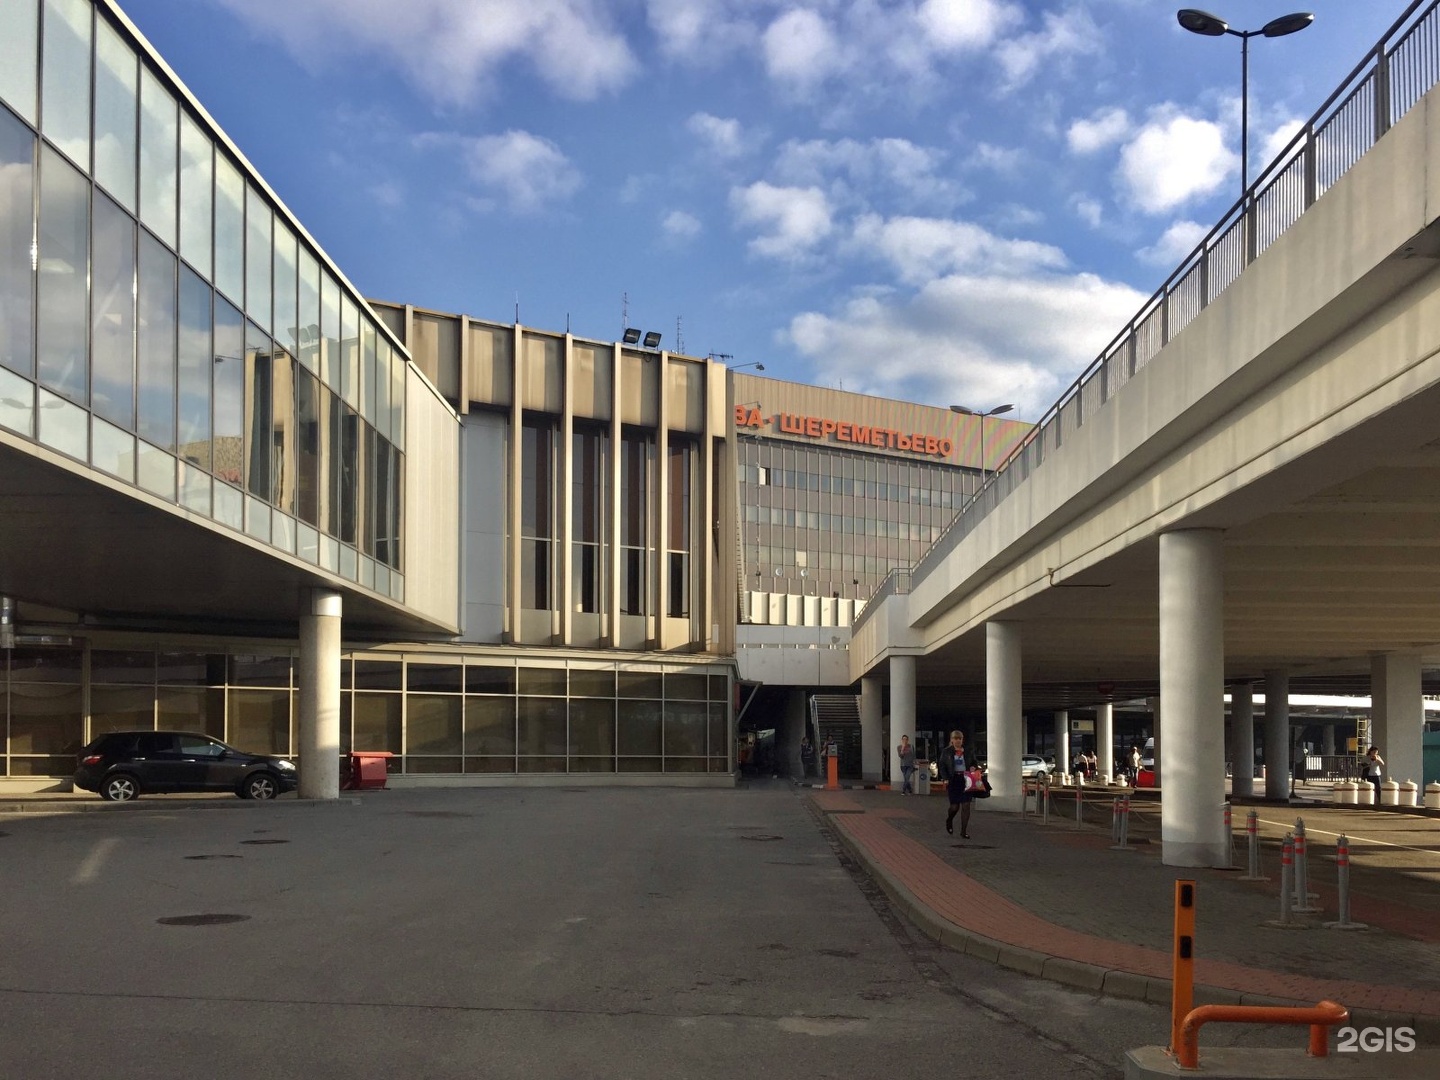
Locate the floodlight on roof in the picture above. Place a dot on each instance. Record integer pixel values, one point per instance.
(632, 335)
(652, 339)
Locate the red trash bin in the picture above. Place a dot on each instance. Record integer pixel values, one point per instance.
(369, 770)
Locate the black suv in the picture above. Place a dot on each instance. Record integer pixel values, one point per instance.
(122, 765)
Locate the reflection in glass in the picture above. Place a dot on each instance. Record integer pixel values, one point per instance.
(112, 450)
(116, 72)
(330, 332)
(490, 726)
(17, 235)
(229, 229)
(159, 134)
(112, 312)
(155, 342)
(349, 351)
(592, 728)
(349, 472)
(536, 518)
(638, 728)
(377, 722)
(18, 45)
(397, 403)
(45, 719)
(64, 256)
(228, 439)
(17, 403)
(286, 332)
(307, 315)
(307, 447)
(257, 258)
(541, 726)
(197, 173)
(259, 413)
(634, 533)
(282, 433)
(432, 724)
(63, 426)
(367, 492)
(65, 86)
(260, 721)
(197, 361)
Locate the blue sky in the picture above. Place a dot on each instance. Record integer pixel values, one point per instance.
(943, 201)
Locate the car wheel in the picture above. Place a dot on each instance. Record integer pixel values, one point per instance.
(122, 787)
(262, 785)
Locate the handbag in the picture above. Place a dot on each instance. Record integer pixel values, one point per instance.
(976, 785)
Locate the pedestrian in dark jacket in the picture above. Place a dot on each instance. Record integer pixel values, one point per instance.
(953, 764)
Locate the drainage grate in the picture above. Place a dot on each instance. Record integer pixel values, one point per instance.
(762, 837)
(197, 858)
(209, 919)
(264, 841)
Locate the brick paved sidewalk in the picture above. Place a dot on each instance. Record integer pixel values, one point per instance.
(1056, 902)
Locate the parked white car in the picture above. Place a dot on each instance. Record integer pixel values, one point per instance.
(1034, 765)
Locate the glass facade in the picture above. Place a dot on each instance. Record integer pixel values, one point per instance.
(161, 320)
(438, 714)
(834, 522)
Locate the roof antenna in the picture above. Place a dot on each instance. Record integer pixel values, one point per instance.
(679, 338)
(624, 313)
(517, 309)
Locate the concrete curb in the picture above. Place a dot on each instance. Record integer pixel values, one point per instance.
(158, 806)
(1084, 976)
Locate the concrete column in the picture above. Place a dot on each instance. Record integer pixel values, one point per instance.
(1105, 738)
(1192, 684)
(1242, 740)
(1397, 715)
(1327, 740)
(872, 745)
(1062, 741)
(902, 710)
(1277, 734)
(319, 748)
(1002, 714)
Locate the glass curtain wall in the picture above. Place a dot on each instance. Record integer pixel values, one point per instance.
(537, 513)
(161, 320)
(589, 454)
(636, 448)
(680, 528)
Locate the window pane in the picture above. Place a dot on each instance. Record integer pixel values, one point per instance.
(542, 681)
(197, 710)
(307, 315)
(114, 708)
(541, 726)
(685, 724)
(229, 230)
(349, 472)
(330, 332)
(197, 361)
(112, 341)
(639, 684)
(159, 135)
(116, 72)
(433, 724)
(349, 351)
(282, 433)
(436, 678)
(229, 413)
(259, 411)
(377, 722)
(17, 234)
(585, 683)
(638, 728)
(592, 728)
(285, 284)
(377, 675)
(64, 257)
(18, 46)
(366, 405)
(197, 177)
(482, 679)
(260, 721)
(65, 91)
(156, 342)
(258, 258)
(490, 725)
(307, 432)
(259, 670)
(45, 719)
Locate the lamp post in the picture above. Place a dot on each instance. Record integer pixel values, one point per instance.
(996, 411)
(1207, 25)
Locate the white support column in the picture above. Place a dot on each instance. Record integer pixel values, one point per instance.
(1397, 715)
(872, 746)
(1002, 714)
(1153, 704)
(902, 709)
(319, 749)
(1105, 738)
(1062, 741)
(1277, 734)
(1192, 685)
(1242, 740)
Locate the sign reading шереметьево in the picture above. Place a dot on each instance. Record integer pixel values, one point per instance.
(816, 427)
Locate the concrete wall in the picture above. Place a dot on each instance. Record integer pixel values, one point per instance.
(483, 541)
(432, 513)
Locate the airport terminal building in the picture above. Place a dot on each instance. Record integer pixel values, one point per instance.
(242, 499)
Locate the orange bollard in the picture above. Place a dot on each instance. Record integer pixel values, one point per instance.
(832, 773)
(1182, 995)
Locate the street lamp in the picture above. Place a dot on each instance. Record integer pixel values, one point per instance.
(1207, 25)
(996, 411)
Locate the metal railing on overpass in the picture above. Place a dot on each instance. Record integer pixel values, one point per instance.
(1394, 75)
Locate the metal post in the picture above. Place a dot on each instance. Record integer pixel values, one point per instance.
(1229, 840)
(1079, 802)
(1302, 872)
(1115, 821)
(1342, 867)
(1045, 814)
(1252, 832)
(1122, 824)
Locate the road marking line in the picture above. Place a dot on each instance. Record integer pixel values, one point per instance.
(90, 868)
(1351, 836)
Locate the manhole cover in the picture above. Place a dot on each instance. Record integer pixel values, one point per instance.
(4, 834)
(439, 813)
(264, 841)
(762, 837)
(208, 919)
(197, 858)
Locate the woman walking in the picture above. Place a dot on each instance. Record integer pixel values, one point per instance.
(952, 771)
(1374, 769)
(906, 754)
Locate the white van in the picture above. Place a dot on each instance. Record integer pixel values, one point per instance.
(1147, 755)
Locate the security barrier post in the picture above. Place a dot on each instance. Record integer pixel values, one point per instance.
(1342, 867)
(1182, 979)
(1287, 852)
(1252, 835)
(1303, 894)
(1229, 840)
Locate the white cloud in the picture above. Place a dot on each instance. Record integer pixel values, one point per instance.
(518, 171)
(1104, 127)
(680, 226)
(968, 338)
(921, 249)
(844, 167)
(1064, 34)
(1179, 240)
(1172, 159)
(801, 49)
(704, 31)
(998, 158)
(722, 138)
(965, 25)
(1087, 210)
(455, 50)
(792, 220)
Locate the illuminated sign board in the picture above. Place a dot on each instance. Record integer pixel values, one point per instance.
(818, 427)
